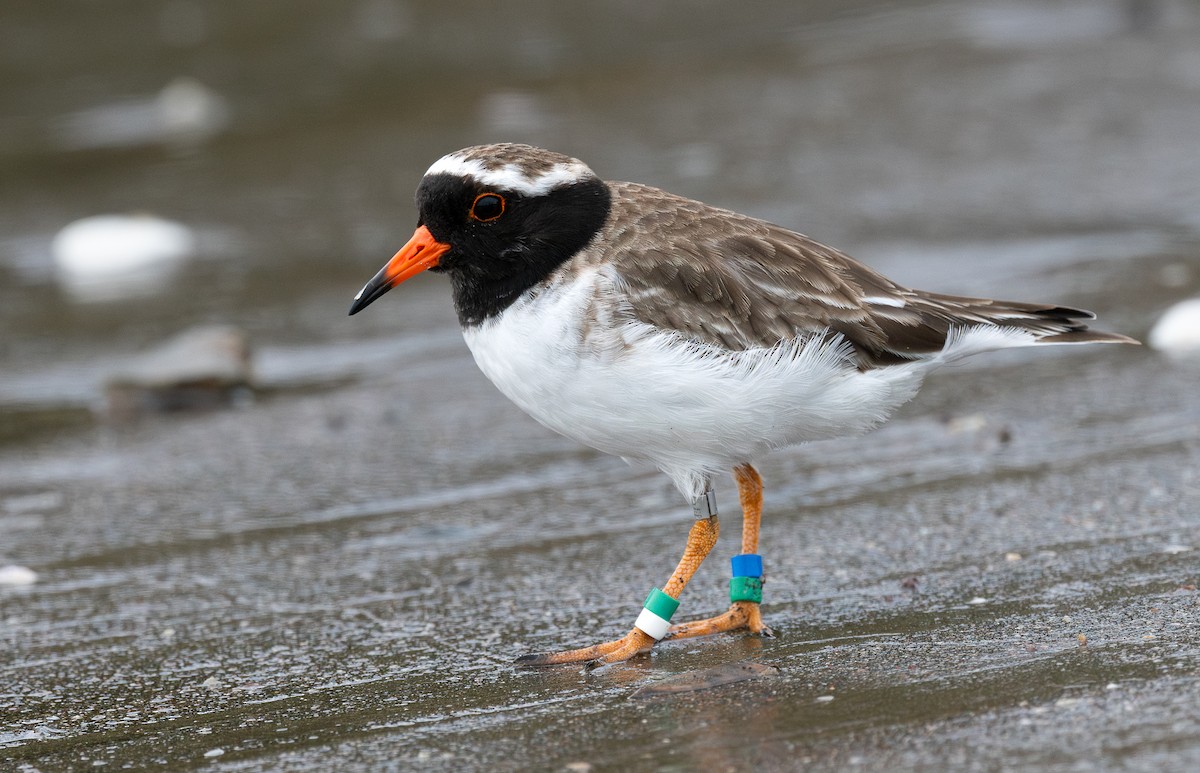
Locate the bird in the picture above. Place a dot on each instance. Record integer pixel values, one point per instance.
(692, 338)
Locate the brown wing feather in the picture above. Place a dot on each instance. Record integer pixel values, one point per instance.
(728, 280)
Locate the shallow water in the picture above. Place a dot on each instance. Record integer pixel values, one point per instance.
(339, 574)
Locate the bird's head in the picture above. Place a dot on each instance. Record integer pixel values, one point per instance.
(497, 219)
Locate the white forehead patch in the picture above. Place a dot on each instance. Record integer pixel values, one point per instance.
(510, 177)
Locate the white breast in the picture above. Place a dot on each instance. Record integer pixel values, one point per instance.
(641, 393)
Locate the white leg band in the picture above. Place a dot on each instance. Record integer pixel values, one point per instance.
(652, 625)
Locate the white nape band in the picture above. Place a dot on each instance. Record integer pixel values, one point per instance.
(652, 625)
(510, 177)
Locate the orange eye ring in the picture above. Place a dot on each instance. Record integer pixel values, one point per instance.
(487, 207)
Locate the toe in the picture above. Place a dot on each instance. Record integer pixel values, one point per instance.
(609, 652)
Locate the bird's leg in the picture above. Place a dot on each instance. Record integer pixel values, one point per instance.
(700, 541)
(744, 613)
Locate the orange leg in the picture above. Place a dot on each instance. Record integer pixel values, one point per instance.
(741, 614)
(700, 541)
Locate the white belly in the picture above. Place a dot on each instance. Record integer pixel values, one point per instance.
(644, 394)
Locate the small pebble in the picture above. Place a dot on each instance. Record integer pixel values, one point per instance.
(1012, 557)
(824, 699)
(203, 367)
(971, 423)
(214, 752)
(1175, 275)
(978, 600)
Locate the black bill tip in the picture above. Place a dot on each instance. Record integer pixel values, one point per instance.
(371, 291)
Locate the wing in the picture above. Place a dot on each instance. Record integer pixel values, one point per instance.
(728, 280)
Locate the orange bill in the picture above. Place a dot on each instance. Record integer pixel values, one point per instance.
(422, 252)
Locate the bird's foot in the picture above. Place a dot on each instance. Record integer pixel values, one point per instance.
(740, 615)
(598, 655)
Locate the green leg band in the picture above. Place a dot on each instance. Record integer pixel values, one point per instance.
(746, 589)
(661, 604)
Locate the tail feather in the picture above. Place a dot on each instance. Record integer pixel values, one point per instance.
(935, 326)
(1048, 324)
(1086, 336)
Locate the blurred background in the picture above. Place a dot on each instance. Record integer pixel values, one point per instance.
(233, 172)
(947, 144)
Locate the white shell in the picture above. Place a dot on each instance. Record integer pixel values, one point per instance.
(107, 256)
(1178, 329)
(17, 575)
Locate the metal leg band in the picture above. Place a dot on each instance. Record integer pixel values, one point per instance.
(705, 505)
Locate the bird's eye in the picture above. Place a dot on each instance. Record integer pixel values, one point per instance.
(487, 207)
